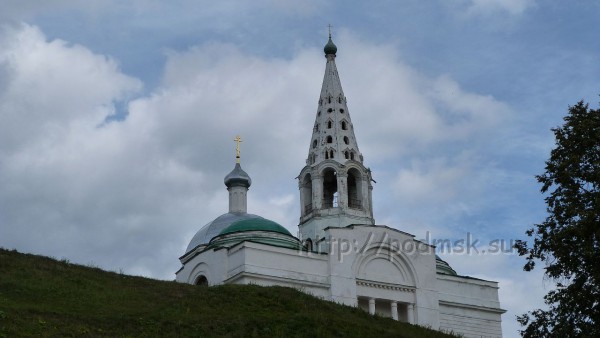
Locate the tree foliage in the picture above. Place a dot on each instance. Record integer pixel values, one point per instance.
(568, 241)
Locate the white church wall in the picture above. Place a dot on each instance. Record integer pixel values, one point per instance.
(211, 264)
(467, 290)
(269, 265)
(469, 306)
(284, 263)
(427, 308)
(470, 323)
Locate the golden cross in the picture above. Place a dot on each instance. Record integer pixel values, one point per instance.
(237, 140)
(329, 30)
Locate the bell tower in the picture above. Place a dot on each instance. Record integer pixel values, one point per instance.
(335, 186)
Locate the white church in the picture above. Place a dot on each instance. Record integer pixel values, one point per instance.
(341, 255)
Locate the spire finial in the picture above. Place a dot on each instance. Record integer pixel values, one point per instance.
(237, 140)
(330, 47)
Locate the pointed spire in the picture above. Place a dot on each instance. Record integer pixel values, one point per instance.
(335, 187)
(333, 133)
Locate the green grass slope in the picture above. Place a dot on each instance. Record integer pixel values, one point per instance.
(43, 297)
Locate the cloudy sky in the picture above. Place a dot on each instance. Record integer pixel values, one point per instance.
(117, 119)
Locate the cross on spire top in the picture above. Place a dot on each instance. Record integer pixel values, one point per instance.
(329, 26)
(237, 140)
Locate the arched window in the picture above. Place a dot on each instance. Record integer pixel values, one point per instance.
(329, 139)
(329, 124)
(326, 154)
(314, 144)
(346, 154)
(344, 125)
(341, 111)
(331, 154)
(330, 110)
(202, 281)
(346, 140)
(340, 99)
(351, 155)
(329, 99)
(319, 113)
(354, 189)
(329, 187)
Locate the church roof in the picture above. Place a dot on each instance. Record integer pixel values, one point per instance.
(441, 266)
(257, 230)
(255, 224)
(213, 228)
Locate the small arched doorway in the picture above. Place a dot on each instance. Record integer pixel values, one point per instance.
(202, 281)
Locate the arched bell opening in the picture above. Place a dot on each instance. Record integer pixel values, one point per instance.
(306, 191)
(329, 188)
(354, 189)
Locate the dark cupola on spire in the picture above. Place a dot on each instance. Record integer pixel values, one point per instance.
(330, 47)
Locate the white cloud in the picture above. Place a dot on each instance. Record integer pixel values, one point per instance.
(513, 7)
(51, 84)
(465, 114)
(432, 181)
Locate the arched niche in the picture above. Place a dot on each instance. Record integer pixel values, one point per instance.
(382, 263)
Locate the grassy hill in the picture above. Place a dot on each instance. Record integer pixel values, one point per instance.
(40, 296)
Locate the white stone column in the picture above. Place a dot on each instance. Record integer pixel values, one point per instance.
(372, 306)
(394, 310)
(317, 190)
(342, 189)
(302, 195)
(410, 310)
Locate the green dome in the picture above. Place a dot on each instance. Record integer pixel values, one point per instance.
(257, 230)
(330, 47)
(442, 267)
(255, 224)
